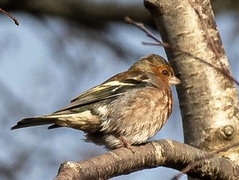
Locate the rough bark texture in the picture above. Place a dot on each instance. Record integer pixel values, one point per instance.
(208, 99)
(158, 153)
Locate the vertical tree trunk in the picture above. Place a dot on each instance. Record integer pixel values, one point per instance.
(208, 99)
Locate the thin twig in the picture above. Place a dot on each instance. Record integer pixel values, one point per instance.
(166, 45)
(10, 16)
(147, 32)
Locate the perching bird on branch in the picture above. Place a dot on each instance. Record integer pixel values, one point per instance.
(125, 110)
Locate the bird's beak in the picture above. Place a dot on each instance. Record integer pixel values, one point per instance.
(174, 81)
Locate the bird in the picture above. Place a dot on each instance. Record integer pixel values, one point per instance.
(125, 110)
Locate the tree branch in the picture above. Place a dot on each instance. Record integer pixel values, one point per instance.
(166, 153)
(208, 99)
(10, 16)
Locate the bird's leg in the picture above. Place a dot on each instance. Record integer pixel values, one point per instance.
(126, 144)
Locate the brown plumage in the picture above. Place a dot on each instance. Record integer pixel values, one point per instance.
(125, 110)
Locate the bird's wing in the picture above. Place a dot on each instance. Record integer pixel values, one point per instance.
(107, 90)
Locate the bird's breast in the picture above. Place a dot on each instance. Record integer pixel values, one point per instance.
(137, 115)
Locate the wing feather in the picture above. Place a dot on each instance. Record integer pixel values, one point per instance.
(104, 91)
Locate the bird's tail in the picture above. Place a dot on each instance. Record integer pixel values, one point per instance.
(84, 121)
(35, 121)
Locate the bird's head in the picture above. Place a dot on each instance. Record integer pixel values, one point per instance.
(158, 66)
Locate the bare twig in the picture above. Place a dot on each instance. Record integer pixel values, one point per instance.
(166, 45)
(147, 32)
(10, 16)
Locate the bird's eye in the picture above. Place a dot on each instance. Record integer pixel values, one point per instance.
(165, 72)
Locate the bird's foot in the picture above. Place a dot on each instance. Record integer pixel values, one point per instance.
(126, 144)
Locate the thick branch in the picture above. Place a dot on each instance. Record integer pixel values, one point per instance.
(208, 99)
(166, 153)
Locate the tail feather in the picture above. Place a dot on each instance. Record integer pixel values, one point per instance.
(34, 121)
(84, 121)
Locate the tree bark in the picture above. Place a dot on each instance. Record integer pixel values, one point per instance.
(166, 153)
(208, 98)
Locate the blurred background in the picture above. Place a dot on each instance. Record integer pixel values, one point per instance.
(62, 48)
